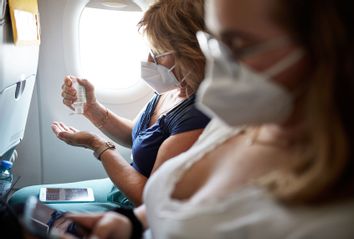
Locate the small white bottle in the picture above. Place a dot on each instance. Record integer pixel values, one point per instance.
(81, 98)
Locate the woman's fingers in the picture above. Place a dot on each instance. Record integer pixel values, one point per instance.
(64, 127)
(72, 136)
(73, 130)
(68, 92)
(55, 128)
(62, 224)
(62, 131)
(112, 225)
(85, 220)
(68, 81)
(104, 225)
(104, 228)
(68, 103)
(59, 126)
(69, 96)
(68, 85)
(67, 134)
(85, 83)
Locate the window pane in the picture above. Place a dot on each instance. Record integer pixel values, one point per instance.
(111, 48)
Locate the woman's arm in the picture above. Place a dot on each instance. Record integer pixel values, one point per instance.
(124, 176)
(115, 127)
(175, 145)
(109, 224)
(131, 182)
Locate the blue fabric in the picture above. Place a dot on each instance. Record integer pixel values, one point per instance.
(147, 140)
(102, 189)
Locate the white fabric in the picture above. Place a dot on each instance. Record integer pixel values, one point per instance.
(248, 213)
(158, 77)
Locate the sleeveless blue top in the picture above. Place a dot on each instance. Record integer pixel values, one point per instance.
(147, 140)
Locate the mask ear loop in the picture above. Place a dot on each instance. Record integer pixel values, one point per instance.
(182, 81)
(183, 85)
(153, 56)
(164, 54)
(173, 75)
(283, 64)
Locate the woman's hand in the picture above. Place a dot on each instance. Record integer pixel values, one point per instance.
(104, 225)
(69, 93)
(74, 137)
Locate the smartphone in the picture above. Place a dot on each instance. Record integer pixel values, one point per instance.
(36, 216)
(66, 195)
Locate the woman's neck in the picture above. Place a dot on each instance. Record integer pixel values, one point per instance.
(175, 95)
(282, 134)
(291, 131)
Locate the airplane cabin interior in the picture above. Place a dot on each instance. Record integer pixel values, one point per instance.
(176, 119)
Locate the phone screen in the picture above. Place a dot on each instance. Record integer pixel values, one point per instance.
(66, 194)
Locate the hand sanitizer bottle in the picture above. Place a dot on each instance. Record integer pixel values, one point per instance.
(81, 98)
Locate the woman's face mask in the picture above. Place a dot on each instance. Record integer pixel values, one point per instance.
(238, 95)
(159, 77)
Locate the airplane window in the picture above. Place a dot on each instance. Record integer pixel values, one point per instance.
(111, 48)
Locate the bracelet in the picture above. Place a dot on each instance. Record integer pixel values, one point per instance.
(137, 231)
(106, 146)
(104, 120)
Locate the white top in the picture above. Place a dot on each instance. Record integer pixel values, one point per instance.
(247, 213)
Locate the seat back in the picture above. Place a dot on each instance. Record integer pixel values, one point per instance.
(18, 69)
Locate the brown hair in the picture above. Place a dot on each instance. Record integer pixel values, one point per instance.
(172, 25)
(324, 29)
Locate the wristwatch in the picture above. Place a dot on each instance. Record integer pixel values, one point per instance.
(107, 145)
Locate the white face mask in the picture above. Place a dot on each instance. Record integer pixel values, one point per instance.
(159, 77)
(238, 95)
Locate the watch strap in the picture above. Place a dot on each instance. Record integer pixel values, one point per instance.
(107, 145)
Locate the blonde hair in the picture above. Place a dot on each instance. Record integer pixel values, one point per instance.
(171, 25)
(324, 169)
